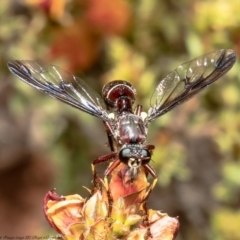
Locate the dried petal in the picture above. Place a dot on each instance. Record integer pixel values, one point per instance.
(163, 227)
(122, 186)
(120, 229)
(95, 209)
(138, 234)
(97, 231)
(75, 230)
(51, 196)
(132, 219)
(61, 212)
(78, 219)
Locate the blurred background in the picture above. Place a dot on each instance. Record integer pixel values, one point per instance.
(45, 143)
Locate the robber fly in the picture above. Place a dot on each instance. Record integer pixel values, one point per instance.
(126, 126)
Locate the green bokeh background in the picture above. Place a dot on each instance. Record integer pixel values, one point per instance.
(45, 143)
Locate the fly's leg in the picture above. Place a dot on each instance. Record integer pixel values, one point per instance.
(148, 170)
(96, 185)
(138, 110)
(150, 147)
(110, 135)
(105, 158)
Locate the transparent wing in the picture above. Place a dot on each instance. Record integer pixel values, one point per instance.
(61, 85)
(189, 79)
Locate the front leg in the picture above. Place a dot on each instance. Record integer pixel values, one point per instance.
(105, 158)
(102, 159)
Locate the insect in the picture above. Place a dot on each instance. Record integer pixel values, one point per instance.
(126, 125)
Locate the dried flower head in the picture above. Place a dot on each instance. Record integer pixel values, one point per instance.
(114, 211)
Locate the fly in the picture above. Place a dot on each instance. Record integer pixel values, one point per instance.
(125, 125)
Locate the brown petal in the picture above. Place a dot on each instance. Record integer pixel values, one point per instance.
(163, 227)
(138, 234)
(121, 185)
(51, 195)
(62, 212)
(95, 209)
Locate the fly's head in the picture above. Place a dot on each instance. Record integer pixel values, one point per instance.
(134, 156)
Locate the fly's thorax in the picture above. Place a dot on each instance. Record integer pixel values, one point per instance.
(131, 129)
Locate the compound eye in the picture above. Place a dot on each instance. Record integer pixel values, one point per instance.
(124, 155)
(146, 156)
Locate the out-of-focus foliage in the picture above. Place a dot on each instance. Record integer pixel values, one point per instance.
(197, 154)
